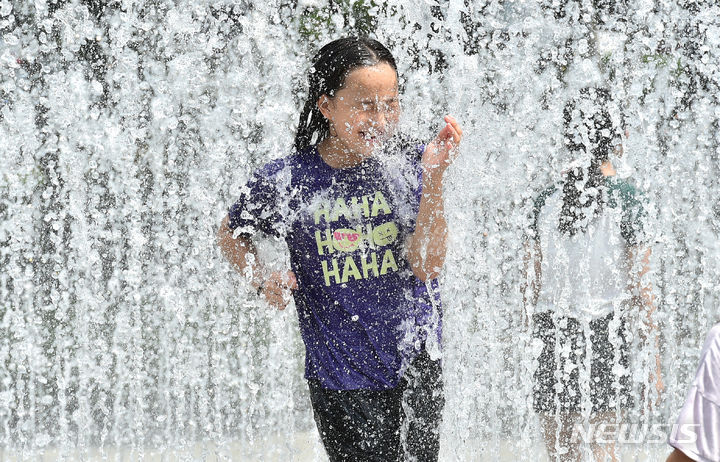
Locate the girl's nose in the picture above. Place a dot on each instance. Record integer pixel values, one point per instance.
(380, 120)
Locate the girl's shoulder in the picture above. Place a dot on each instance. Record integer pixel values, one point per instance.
(623, 192)
(545, 194)
(296, 160)
(624, 185)
(273, 167)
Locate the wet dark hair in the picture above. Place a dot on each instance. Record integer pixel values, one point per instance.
(331, 65)
(584, 186)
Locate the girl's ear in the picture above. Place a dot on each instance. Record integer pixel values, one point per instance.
(323, 104)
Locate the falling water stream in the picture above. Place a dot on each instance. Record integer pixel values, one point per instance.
(128, 127)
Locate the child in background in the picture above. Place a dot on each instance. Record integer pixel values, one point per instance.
(589, 257)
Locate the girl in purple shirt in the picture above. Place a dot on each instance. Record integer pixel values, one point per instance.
(362, 214)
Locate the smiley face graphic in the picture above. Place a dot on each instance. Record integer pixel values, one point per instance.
(385, 234)
(346, 240)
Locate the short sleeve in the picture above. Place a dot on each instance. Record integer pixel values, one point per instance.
(538, 204)
(633, 216)
(257, 207)
(697, 429)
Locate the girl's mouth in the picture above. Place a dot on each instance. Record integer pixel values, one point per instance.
(371, 137)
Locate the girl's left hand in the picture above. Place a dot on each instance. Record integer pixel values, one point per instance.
(441, 152)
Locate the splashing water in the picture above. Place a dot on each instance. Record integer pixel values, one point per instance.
(128, 127)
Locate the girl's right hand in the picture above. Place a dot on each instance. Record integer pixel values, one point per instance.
(440, 153)
(277, 288)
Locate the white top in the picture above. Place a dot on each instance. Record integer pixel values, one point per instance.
(588, 274)
(697, 430)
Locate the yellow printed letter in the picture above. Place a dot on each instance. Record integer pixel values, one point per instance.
(340, 208)
(379, 204)
(350, 269)
(388, 262)
(335, 272)
(373, 265)
(321, 212)
(327, 242)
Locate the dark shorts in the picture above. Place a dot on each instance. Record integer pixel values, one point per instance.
(557, 387)
(370, 425)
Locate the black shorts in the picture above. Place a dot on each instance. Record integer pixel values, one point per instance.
(557, 387)
(369, 425)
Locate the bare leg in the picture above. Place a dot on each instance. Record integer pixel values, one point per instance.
(607, 451)
(563, 445)
(558, 437)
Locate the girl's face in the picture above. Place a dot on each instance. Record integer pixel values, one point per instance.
(365, 111)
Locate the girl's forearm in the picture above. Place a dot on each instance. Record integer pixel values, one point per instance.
(428, 244)
(238, 251)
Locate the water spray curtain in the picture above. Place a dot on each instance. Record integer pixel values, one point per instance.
(127, 128)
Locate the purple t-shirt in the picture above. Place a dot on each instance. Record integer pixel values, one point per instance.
(697, 430)
(363, 313)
